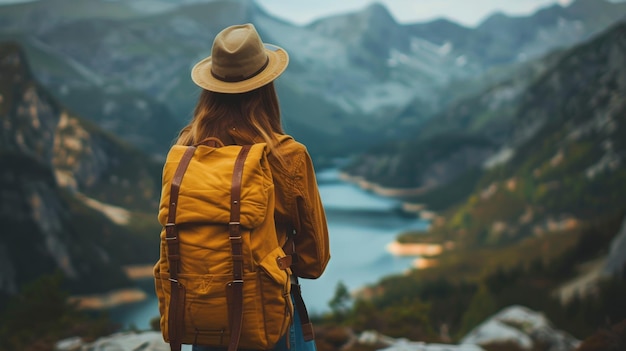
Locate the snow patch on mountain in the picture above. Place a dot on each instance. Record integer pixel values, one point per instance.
(308, 48)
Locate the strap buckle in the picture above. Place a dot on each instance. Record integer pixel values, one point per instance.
(284, 262)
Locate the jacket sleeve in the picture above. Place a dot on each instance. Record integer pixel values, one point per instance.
(311, 231)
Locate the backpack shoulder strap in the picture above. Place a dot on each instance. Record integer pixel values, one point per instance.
(177, 299)
(235, 288)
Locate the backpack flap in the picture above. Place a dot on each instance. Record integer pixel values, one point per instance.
(205, 193)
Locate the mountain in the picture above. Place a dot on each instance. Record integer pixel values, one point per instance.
(502, 39)
(536, 218)
(34, 17)
(513, 118)
(354, 79)
(132, 115)
(74, 198)
(527, 179)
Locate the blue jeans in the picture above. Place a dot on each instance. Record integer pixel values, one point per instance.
(295, 337)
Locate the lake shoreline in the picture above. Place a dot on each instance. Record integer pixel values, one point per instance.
(396, 193)
(399, 194)
(109, 299)
(117, 297)
(414, 249)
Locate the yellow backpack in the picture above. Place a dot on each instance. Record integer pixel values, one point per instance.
(222, 279)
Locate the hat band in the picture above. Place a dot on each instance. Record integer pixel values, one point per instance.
(240, 78)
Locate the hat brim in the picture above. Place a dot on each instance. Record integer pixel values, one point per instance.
(278, 61)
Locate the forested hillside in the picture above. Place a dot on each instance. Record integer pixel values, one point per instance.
(521, 222)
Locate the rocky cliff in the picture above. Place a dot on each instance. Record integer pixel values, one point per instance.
(56, 167)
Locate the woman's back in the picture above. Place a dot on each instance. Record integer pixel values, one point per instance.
(239, 106)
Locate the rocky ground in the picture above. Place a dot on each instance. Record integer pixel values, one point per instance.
(516, 327)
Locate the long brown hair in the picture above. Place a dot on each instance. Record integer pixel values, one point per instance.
(244, 118)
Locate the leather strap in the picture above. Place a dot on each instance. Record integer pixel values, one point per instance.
(177, 298)
(235, 288)
(305, 321)
(296, 291)
(284, 262)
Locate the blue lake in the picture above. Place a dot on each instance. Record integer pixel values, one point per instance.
(360, 225)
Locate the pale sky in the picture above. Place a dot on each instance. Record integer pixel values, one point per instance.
(466, 12)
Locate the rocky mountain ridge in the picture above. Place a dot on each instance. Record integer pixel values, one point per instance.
(503, 39)
(393, 76)
(59, 164)
(579, 90)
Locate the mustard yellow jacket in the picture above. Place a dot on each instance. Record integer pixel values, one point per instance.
(299, 207)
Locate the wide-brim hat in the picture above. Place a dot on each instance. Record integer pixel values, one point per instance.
(239, 62)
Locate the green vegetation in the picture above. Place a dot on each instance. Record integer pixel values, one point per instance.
(406, 163)
(522, 232)
(466, 287)
(340, 303)
(482, 306)
(126, 244)
(40, 315)
(409, 318)
(454, 192)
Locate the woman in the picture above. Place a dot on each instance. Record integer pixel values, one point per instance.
(239, 106)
